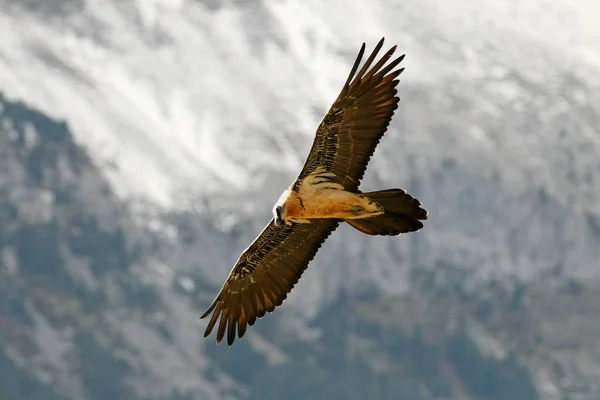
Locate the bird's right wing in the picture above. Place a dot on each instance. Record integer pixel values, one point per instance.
(264, 274)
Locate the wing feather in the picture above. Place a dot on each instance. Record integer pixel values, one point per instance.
(242, 324)
(350, 131)
(264, 275)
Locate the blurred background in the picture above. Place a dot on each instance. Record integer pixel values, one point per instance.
(144, 142)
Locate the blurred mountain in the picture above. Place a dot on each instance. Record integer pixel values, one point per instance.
(142, 145)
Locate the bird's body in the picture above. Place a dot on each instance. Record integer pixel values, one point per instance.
(317, 196)
(325, 193)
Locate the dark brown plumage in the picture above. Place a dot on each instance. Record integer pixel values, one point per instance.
(350, 131)
(345, 140)
(264, 274)
(403, 214)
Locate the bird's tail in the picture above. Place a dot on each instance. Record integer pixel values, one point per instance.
(402, 214)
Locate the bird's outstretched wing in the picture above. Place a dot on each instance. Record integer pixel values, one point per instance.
(264, 274)
(350, 131)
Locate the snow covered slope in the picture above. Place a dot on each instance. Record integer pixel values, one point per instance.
(179, 98)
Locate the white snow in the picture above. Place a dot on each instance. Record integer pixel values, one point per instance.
(180, 100)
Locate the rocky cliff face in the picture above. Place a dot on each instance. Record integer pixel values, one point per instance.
(118, 225)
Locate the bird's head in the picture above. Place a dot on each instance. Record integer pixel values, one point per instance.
(279, 209)
(277, 215)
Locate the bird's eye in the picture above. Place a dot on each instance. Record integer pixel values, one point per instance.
(278, 211)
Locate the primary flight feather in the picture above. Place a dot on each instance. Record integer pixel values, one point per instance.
(324, 194)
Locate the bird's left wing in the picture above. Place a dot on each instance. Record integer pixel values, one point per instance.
(264, 274)
(350, 131)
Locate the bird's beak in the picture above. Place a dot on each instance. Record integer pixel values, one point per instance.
(278, 221)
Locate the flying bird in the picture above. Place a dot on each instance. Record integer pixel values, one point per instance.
(325, 194)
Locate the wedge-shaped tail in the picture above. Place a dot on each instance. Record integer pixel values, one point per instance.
(402, 214)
